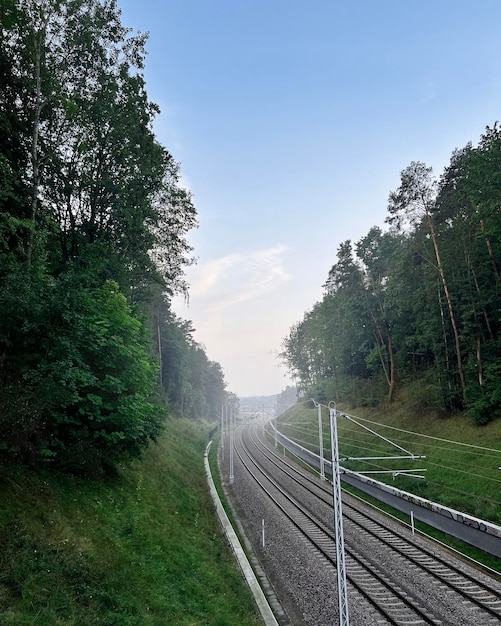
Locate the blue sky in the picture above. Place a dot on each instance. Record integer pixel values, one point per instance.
(292, 122)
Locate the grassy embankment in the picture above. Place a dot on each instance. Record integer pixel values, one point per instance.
(464, 477)
(142, 548)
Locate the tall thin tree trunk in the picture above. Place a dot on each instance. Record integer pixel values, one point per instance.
(477, 288)
(388, 364)
(379, 345)
(448, 300)
(442, 322)
(391, 389)
(35, 161)
(490, 252)
(479, 364)
(160, 372)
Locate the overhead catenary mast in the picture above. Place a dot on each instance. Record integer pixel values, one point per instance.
(338, 521)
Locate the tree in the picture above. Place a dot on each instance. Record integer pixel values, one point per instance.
(101, 187)
(467, 209)
(79, 375)
(92, 219)
(191, 383)
(421, 301)
(332, 341)
(14, 149)
(413, 202)
(346, 302)
(375, 251)
(296, 354)
(480, 185)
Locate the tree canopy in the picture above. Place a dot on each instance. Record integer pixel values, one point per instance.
(417, 306)
(93, 225)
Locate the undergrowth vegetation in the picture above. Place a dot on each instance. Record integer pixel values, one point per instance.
(140, 548)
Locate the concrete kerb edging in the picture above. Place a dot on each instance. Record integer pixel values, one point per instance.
(243, 562)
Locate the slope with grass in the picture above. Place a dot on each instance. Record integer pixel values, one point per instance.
(140, 548)
(463, 458)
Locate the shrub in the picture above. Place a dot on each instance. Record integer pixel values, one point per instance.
(81, 393)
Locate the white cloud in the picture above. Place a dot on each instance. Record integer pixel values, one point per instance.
(234, 303)
(238, 277)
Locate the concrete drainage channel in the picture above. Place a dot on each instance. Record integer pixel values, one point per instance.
(247, 571)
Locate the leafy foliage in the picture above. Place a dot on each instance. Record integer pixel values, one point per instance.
(93, 225)
(193, 385)
(79, 375)
(419, 302)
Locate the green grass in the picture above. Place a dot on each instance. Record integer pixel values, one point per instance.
(142, 548)
(459, 476)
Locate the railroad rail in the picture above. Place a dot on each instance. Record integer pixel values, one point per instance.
(306, 503)
(480, 533)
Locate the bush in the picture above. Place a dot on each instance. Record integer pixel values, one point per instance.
(80, 394)
(484, 402)
(425, 395)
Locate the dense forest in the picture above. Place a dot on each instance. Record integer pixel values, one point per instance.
(416, 307)
(93, 225)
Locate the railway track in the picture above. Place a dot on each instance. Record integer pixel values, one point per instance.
(411, 584)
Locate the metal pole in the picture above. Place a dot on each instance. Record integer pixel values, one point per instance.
(321, 442)
(338, 522)
(232, 435)
(222, 431)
